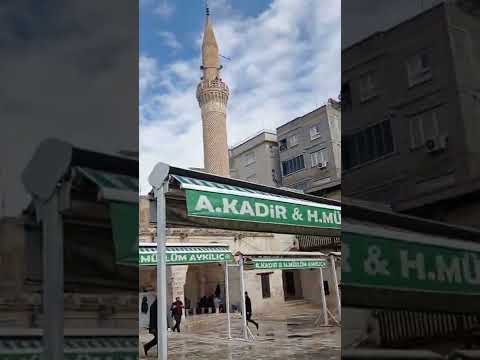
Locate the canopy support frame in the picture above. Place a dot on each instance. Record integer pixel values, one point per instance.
(337, 289)
(242, 297)
(227, 301)
(162, 346)
(53, 279)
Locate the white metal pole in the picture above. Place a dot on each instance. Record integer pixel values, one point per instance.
(53, 299)
(242, 297)
(162, 346)
(227, 300)
(324, 300)
(337, 289)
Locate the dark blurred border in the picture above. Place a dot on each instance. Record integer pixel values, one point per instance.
(69, 178)
(410, 178)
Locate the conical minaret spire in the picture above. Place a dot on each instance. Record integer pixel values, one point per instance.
(210, 55)
(212, 96)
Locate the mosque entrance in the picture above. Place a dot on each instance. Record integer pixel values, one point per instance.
(205, 289)
(292, 284)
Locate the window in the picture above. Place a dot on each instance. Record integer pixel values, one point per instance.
(368, 88)
(423, 127)
(293, 165)
(419, 68)
(319, 157)
(366, 145)
(283, 145)
(315, 132)
(293, 141)
(249, 158)
(265, 278)
(273, 150)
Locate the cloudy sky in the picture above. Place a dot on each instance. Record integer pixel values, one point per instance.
(284, 62)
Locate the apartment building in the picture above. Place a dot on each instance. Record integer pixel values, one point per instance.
(411, 105)
(310, 151)
(256, 159)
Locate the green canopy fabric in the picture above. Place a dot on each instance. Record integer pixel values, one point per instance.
(186, 254)
(124, 217)
(221, 201)
(121, 193)
(112, 187)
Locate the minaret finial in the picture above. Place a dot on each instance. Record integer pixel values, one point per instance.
(207, 9)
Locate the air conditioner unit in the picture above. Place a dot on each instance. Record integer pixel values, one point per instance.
(322, 165)
(436, 144)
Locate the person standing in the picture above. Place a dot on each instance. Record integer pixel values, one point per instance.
(153, 327)
(248, 309)
(177, 311)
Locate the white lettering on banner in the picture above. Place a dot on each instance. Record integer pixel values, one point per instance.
(327, 218)
(418, 264)
(450, 273)
(246, 209)
(281, 212)
(204, 203)
(471, 275)
(312, 215)
(374, 264)
(229, 206)
(261, 209)
(178, 257)
(337, 216)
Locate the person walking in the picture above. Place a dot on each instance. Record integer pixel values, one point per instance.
(248, 309)
(152, 327)
(177, 311)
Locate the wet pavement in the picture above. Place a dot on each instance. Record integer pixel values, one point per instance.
(279, 337)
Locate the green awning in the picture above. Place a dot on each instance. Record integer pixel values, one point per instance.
(221, 201)
(406, 261)
(186, 254)
(124, 217)
(285, 264)
(112, 187)
(121, 193)
(13, 348)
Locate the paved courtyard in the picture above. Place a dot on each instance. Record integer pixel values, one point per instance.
(292, 336)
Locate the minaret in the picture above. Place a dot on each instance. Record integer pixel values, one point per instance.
(212, 96)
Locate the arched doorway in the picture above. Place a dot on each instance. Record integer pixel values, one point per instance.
(202, 280)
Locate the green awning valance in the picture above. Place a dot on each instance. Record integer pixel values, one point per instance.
(112, 187)
(221, 201)
(186, 254)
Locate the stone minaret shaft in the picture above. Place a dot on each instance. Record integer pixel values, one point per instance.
(212, 96)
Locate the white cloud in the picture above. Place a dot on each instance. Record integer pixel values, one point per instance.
(164, 9)
(170, 40)
(285, 62)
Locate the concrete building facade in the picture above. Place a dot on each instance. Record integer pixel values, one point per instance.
(411, 106)
(310, 150)
(257, 159)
